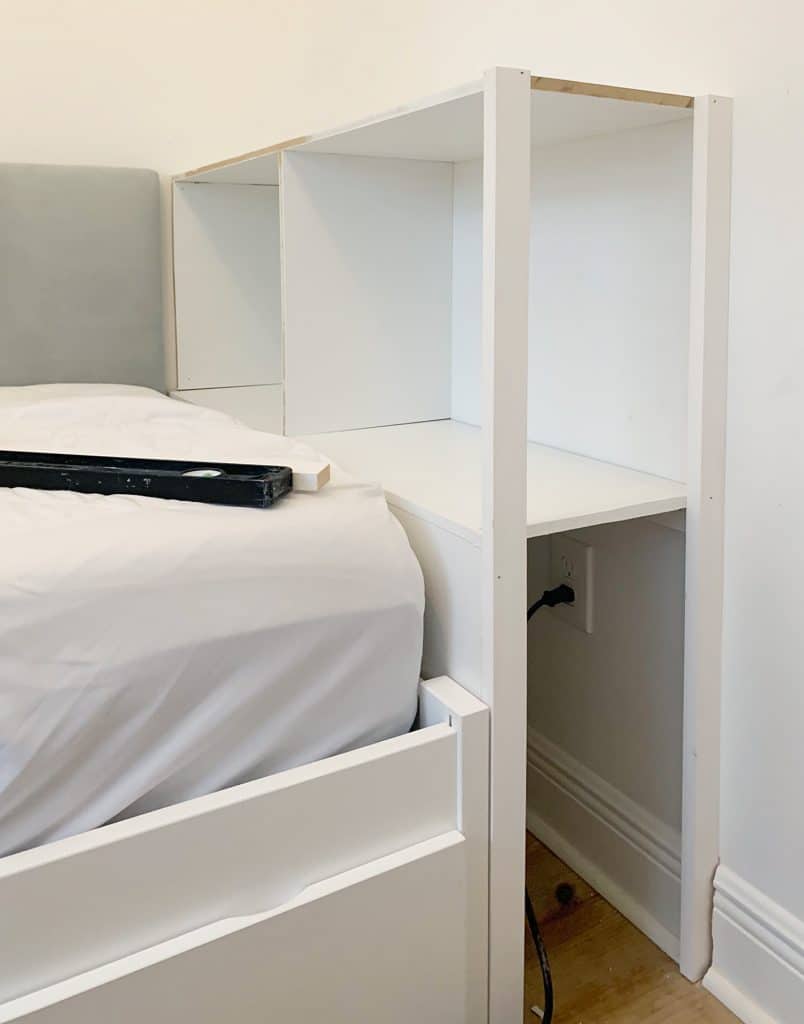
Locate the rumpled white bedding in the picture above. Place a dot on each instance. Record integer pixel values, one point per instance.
(152, 650)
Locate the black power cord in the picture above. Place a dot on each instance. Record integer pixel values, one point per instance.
(562, 594)
(544, 962)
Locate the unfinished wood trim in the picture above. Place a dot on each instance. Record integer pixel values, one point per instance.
(243, 157)
(610, 92)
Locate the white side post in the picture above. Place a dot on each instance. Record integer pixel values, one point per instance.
(443, 700)
(709, 319)
(506, 233)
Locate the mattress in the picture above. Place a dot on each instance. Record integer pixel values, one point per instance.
(152, 651)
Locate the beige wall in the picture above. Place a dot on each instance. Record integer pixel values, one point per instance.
(173, 84)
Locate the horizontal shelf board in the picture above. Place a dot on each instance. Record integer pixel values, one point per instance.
(433, 470)
(449, 127)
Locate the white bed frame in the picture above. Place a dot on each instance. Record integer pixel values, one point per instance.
(385, 885)
(293, 898)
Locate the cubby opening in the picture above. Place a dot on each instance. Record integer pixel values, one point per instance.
(228, 303)
(605, 715)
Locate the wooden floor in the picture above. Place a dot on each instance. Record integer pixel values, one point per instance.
(604, 970)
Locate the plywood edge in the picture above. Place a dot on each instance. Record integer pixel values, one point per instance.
(242, 158)
(611, 92)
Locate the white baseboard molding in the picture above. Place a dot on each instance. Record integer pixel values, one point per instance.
(630, 857)
(758, 966)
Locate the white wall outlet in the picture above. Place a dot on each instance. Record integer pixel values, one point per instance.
(572, 562)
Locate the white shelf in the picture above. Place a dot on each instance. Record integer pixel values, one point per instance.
(453, 130)
(433, 470)
(449, 127)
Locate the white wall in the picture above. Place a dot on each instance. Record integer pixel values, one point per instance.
(612, 698)
(175, 85)
(609, 296)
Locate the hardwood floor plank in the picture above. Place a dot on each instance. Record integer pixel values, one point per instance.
(605, 971)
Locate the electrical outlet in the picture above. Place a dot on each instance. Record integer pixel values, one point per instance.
(572, 562)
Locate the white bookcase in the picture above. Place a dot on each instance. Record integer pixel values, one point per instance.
(507, 303)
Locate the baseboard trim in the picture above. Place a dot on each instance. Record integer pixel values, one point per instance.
(636, 864)
(758, 948)
(636, 826)
(735, 1000)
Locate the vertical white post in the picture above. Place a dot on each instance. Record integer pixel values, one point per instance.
(443, 700)
(506, 233)
(709, 320)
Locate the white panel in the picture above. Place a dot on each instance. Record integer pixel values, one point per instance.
(443, 699)
(610, 238)
(506, 184)
(82, 902)
(703, 638)
(443, 128)
(434, 470)
(259, 407)
(451, 128)
(467, 281)
(368, 254)
(452, 617)
(227, 279)
(384, 942)
(446, 127)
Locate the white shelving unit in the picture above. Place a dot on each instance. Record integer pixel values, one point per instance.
(486, 301)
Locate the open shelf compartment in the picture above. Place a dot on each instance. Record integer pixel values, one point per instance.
(433, 470)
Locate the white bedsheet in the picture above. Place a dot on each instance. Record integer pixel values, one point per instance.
(152, 651)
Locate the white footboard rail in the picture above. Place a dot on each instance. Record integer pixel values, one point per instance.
(348, 888)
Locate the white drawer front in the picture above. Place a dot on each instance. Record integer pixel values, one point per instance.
(82, 902)
(352, 889)
(383, 943)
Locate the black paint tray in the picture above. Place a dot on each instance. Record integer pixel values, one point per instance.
(217, 483)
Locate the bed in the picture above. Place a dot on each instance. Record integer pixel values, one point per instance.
(156, 650)
(212, 802)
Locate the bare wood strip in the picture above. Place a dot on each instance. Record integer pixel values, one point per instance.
(611, 92)
(266, 151)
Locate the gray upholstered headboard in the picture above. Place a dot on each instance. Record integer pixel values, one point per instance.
(80, 276)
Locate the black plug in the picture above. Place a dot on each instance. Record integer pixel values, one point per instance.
(562, 594)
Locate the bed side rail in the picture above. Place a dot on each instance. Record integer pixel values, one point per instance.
(76, 904)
